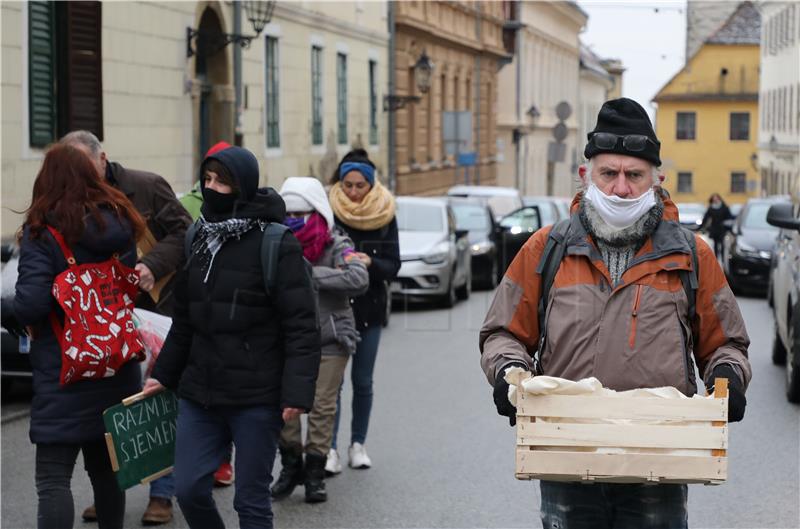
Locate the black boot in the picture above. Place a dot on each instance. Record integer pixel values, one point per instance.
(315, 479)
(291, 474)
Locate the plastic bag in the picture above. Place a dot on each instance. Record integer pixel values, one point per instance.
(153, 329)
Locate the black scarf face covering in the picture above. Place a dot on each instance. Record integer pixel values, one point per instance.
(219, 203)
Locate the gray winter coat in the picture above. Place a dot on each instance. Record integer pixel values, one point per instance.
(336, 282)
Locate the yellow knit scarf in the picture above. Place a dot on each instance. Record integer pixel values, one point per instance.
(375, 211)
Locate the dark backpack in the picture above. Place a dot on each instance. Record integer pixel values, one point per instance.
(270, 245)
(553, 254)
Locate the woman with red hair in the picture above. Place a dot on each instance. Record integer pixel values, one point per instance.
(96, 221)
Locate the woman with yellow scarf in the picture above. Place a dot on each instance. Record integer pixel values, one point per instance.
(364, 209)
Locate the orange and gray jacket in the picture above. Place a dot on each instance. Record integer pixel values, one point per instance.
(633, 334)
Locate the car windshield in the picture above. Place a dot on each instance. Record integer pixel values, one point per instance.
(419, 217)
(525, 218)
(546, 209)
(472, 218)
(756, 217)
(502, 205)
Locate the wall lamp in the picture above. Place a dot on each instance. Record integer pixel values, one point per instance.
(258, 12)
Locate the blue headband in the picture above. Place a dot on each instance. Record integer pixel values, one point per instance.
(364, 168)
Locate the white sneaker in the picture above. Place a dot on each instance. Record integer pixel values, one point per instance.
(358, 456)
(332, 464)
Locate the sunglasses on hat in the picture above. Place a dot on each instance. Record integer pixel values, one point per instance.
(631, 142)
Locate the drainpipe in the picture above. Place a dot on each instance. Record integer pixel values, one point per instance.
(391, 114)
(237, 75)
(477, 92)
(519, 136)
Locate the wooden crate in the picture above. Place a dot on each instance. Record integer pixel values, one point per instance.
(557, 438)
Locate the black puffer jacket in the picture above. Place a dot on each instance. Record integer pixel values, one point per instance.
(383, 248)
(230, 344)
(73, 413)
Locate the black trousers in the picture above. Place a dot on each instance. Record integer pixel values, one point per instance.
(54, 466)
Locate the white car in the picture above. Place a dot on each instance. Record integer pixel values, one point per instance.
(435, 255)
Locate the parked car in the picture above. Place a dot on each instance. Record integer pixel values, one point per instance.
(747, 248)
(501, 200)
(690, 214)
(785, 288)
(435, 255)
(476, 218)
(549, 208)
(515, 229)
(13, 364)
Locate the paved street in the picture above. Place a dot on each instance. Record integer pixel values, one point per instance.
(443, 458)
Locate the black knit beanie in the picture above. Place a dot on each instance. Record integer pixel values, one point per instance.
(624, 116)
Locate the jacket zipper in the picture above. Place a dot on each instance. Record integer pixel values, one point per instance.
(634, 316)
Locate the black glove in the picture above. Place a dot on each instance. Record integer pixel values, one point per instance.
(501, 394)
(8, 319)
(736, 399)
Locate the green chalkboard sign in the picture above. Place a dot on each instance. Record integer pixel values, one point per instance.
(140, 435)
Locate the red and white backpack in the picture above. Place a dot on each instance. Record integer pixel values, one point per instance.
(98, 336)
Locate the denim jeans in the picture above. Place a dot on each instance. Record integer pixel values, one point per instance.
(54, 466)
(203, 438)
(163, 487)
(361, 376)
(613, 506)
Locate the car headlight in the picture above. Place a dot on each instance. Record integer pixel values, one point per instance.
(744, 249)
(438, 255)
(765, 254)
(480, 248)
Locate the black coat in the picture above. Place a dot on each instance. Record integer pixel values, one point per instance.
(73, 413)
(715, 218)
(383, 248)
(230, 343)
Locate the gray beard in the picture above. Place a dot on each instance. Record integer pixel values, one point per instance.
(632, 236)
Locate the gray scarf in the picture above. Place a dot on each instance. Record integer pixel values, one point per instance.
(617, 247)
(211, 236)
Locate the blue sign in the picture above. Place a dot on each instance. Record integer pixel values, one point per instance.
(467, 158)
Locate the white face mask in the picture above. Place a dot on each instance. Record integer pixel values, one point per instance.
(619, 212)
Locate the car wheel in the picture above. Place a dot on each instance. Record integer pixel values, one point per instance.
(449, 299)
(778, 350)
(792, 357)
(464, 291)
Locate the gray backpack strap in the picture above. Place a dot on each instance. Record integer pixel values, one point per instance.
(552, 255)
(191, 231)
(270, 251)
(689, 277)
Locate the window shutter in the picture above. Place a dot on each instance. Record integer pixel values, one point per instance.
(41, 73)
(83, 77)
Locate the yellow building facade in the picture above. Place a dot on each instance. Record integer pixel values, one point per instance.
(707, 117)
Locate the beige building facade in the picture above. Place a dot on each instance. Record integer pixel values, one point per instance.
(596, 86)
(464, 41)
(545, 72)
(319, 69)
(779, 98)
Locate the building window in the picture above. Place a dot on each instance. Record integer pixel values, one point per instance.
(65, 74)
(316, 95)
(684, 182)
(740, 126)
(272, 95)
(738, 182)
(341, 98)
(685, 126)
(373, 103)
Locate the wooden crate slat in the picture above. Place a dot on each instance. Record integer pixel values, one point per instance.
(606, 467)
(595, 407)
(621, 435)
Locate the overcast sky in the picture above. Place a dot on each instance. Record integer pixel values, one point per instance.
(649, 38)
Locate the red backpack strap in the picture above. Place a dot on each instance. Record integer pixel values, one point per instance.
(63, 245)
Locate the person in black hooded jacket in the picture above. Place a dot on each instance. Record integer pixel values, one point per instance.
(242, 361)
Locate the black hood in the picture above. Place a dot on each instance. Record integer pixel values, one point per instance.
(243, 167)
(267, 205)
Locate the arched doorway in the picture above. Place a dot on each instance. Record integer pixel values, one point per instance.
(213, 95)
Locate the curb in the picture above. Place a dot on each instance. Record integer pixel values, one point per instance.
(14, 416)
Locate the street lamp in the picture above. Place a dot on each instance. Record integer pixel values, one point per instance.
(259, 13)
(423, 73)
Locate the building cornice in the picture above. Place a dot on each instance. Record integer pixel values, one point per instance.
(290, 13)
(745, 96)
(414, 25)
